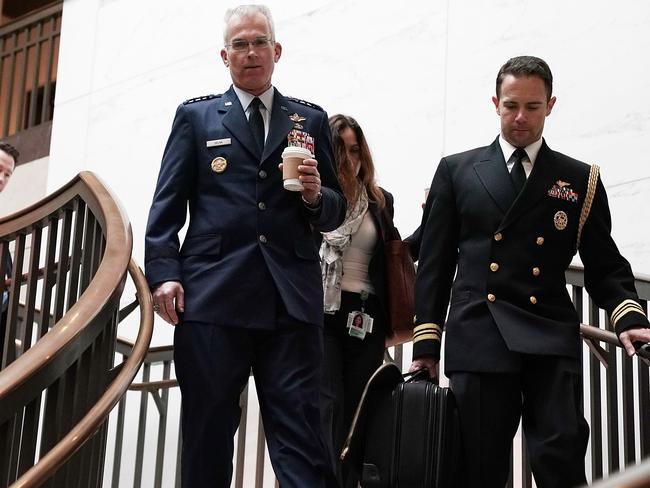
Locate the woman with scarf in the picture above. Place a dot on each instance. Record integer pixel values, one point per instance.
(354, 285)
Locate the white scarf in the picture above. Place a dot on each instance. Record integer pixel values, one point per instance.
(331, 252)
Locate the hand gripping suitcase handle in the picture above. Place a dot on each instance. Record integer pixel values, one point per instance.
(416, 375)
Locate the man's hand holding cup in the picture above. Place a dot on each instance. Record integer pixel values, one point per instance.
(300, 173)
(310, 179)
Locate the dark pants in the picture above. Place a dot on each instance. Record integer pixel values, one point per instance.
(349, 363)
(213, 365)
(547, 395)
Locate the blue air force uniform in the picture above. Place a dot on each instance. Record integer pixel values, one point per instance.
(250, 271)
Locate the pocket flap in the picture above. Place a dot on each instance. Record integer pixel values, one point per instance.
(207, 245)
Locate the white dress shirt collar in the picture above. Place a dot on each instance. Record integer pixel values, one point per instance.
(246, 98)
(531, 150)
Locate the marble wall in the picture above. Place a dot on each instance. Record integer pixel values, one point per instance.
(418, 76)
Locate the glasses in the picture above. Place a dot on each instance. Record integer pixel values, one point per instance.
(242, 44)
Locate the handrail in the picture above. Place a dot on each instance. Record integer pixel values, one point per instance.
(56, 393)
(47, 465)
(633, 477)
(57, 199)
(52, 351)
(587, 331)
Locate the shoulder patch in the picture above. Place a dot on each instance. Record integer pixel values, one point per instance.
(308, 104)
(200, 99)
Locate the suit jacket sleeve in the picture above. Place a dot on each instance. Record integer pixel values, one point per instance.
(414, 241)
(608, 275)
(437, 263)
(331, 211)
(169, 208)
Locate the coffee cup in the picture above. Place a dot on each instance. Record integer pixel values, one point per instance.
(292, 157)
(426, 196)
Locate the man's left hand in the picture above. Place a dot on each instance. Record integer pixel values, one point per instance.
(310, 179)
(640, 334)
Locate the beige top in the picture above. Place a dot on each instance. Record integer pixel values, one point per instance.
(357, 256)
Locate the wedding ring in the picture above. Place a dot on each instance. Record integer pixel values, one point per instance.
(156, 307)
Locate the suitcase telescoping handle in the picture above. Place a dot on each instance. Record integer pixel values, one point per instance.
(642, 350)
(416, 375)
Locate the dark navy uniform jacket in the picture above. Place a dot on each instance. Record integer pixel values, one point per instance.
(249, 241)
(509, 255)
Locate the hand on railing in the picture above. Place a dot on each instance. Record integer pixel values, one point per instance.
(635, 339)
(168, 299)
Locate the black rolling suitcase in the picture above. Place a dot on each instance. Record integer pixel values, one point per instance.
(405, 434)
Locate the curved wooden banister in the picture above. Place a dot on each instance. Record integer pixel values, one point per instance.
(57, 382)
(154, 385)
(47, 465)
(54, 351)
(632, 477)
(58, 199)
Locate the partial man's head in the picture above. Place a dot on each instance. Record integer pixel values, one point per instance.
(523, 100)
(8, 159)
(250, 51)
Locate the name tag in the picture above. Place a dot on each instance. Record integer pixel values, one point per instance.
(218, 142)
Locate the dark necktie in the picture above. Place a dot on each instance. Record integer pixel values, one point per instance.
(256, 122)
(517, 174)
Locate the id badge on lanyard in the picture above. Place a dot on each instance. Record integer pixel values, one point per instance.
(359, 322)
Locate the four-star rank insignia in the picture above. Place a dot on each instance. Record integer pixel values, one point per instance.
(219, 164)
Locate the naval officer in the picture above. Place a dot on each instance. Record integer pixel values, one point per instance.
(500, 227)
